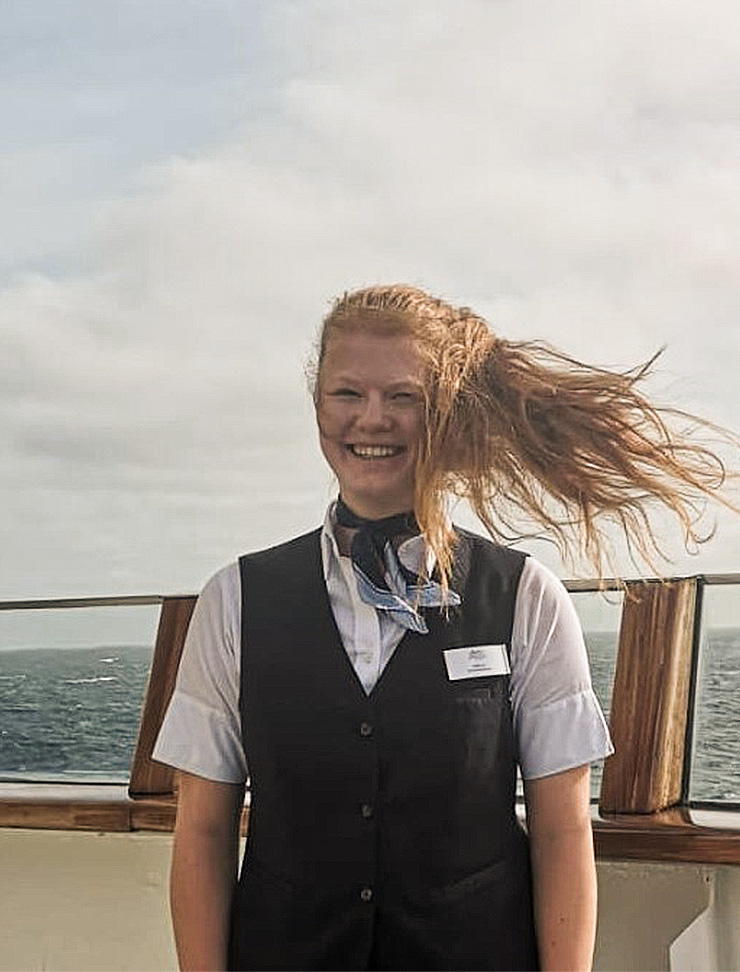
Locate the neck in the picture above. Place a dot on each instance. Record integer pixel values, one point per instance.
(357, 519)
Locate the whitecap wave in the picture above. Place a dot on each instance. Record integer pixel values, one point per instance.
(96, 678)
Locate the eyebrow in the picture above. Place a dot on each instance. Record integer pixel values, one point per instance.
(348, 379)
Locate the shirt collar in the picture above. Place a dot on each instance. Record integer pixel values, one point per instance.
(411, 552)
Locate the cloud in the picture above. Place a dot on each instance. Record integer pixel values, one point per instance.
(568, 169)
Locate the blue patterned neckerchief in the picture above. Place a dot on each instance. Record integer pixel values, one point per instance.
(382, 580)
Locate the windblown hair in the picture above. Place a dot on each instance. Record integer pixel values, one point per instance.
(520, 429)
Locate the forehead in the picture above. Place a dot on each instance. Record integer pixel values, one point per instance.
(382, 358)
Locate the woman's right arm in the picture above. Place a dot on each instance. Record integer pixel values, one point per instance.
(204, 869)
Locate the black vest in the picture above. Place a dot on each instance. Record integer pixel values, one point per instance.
(382, 830)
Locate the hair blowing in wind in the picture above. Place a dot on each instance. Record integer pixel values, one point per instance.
(533, 438)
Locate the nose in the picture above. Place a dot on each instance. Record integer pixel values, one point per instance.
(374, 415)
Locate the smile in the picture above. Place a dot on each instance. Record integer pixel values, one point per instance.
(374, 451)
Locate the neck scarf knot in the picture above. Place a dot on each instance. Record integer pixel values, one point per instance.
(382, 580)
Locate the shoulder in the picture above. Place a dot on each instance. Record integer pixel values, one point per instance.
(304, 545)
(547, 634)
(541, 591)
(216, 617)
(292, 568)
(481, 562)
(220, 589)
(484, 547)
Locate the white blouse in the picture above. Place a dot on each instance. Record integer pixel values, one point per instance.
(558, 722)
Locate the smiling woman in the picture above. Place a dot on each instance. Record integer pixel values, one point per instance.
(392, 671)
(369, 408)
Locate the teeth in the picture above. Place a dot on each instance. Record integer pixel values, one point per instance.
(374, 452)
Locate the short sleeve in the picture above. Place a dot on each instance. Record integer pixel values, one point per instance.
(558, 721)
(201, 730)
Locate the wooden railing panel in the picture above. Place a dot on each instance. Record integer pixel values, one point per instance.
(649, 708)
(678, 834)
(148, 777)
(64, 806)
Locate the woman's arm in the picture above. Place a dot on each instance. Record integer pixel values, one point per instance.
(563, 868)
(204, 869)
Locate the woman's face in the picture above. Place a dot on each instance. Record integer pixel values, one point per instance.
(369, 410)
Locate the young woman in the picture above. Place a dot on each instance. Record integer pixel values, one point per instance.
(382, 678)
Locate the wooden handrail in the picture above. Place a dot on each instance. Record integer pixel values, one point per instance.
(54, 603)
(589, 585)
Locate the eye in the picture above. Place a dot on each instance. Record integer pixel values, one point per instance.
(404, 397)
(349, 393)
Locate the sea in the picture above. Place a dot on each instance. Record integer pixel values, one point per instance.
(71, 714)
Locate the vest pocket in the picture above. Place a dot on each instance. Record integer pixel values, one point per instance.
(503, 876)
(472, 693)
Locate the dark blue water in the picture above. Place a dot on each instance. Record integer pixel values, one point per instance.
(602, 651)
(73, 713)
(715, 773)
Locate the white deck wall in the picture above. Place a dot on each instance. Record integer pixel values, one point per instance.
(87, 901)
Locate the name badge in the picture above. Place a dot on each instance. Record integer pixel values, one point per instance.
(476, 661)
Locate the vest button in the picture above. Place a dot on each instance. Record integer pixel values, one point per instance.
(366, 894)
(367, 811)
(366, 729)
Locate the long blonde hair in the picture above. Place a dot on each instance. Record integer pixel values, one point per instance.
(521, 428)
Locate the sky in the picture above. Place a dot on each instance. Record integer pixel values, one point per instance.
(184, 187)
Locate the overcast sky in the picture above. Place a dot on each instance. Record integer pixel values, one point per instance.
(185, 186)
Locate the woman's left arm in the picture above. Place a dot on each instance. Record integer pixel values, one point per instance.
(563, 868)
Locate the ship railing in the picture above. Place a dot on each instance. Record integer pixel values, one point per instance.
(644, 810)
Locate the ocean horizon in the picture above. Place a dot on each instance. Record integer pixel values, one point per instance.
(71, 714)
